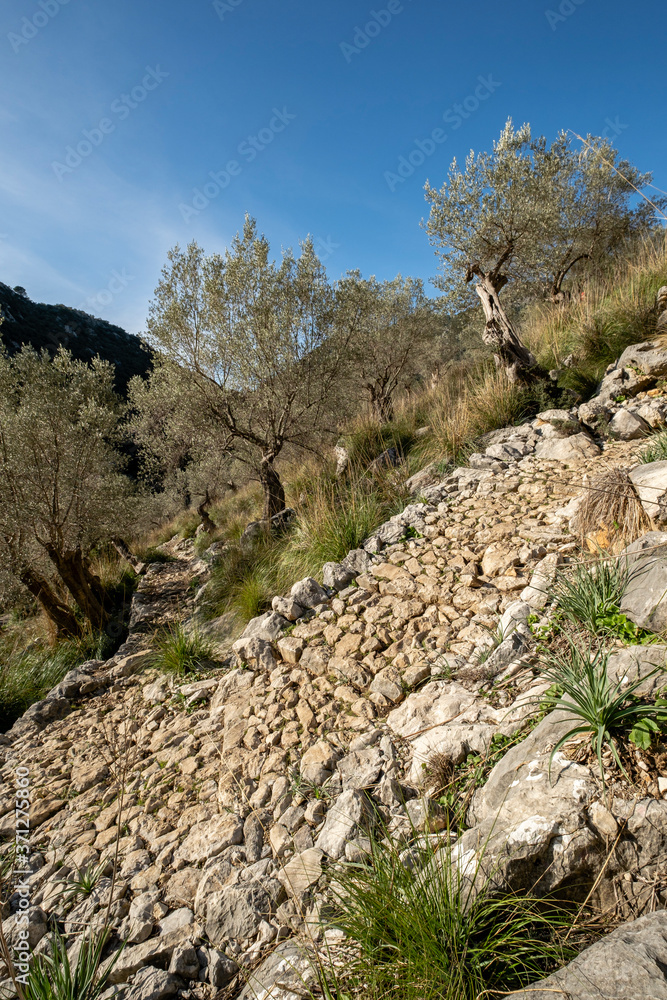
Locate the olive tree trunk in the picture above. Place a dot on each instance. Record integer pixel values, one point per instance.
(274, 493)
(518, 363)
(61, 618)
(84, 586)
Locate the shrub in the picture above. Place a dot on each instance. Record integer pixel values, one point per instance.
(180, 652)
(423, 931)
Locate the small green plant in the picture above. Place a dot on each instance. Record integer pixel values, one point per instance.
(592, 594)
(598, 707)
(656, 448)
(83, 882)
(180, 652)
(618, 625)
(497, 638)
(52, 976)
(425, 931)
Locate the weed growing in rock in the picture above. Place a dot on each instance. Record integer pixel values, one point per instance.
(656, 448)
(599, 708)
(592, 592)
(180, 652)
(83, 881)
(54, 976)
(421, 930)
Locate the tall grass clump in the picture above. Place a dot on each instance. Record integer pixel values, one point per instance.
(424, 932)
(611, 505)
(179, 652)
(28, 674)
(607, 314)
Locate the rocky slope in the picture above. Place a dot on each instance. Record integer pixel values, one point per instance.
(51, 327)
(242, 788)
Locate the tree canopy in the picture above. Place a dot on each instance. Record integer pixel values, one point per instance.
(530, 215)
(62, 489)
(252, 338)
(389, 328)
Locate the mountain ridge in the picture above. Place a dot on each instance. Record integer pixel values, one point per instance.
(46, 326)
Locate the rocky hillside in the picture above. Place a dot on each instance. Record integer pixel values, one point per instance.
(51, 327)
(236, 794)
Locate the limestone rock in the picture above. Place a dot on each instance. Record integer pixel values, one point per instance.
(267, 626)
(536, 594)
(650, 482)
(308, 593)
(317, 764)
(529, 822)
(301, 872)
(209, 838)
(287, 608)
(336, 576)
(235, 912)
(154, 984)
(289, 964)
(257, 652)
(155, 950)
(348, 815)
(578, 447)
(628, 426)
(628, 964)
(645, 598)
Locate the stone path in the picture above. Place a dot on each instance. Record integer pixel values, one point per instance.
(241, 787)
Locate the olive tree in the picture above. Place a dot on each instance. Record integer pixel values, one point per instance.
(61, 486)
(389, 328)
(252, 338)
(183, 455)
(532, 216)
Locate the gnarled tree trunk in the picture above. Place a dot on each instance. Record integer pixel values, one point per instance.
(382, 406)
(518, 363)
(274, 494)
(84, 586)
(511, 355)
(59, 615)
(202, 510)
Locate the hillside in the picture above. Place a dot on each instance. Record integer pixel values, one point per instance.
(54, 326)
(405, 703)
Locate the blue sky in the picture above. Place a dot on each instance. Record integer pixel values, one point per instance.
(116, 114)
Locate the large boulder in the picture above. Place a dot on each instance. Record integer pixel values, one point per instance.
(578, 447)
(628, 426)
(629, 964)
(529, 823)
(638, 368)
(267, 626)
(650, 482)
(645, 597)
(308, 593)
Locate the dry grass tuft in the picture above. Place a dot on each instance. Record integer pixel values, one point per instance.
(611, 515)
